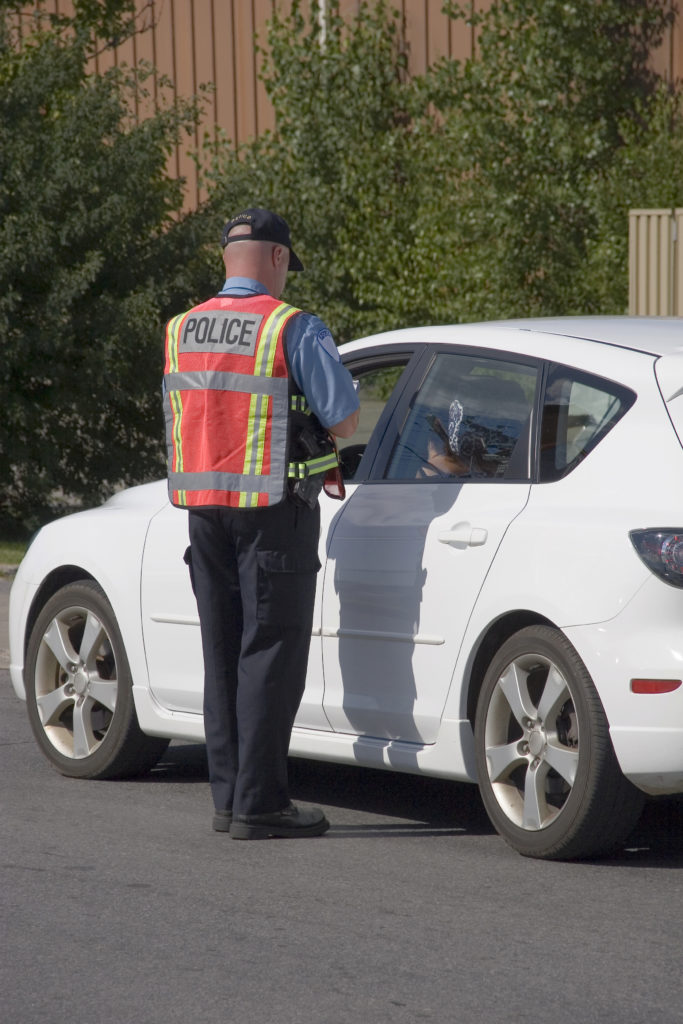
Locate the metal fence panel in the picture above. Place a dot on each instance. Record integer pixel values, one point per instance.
(656, 262)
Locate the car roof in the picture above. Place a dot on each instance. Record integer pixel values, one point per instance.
(656, 336)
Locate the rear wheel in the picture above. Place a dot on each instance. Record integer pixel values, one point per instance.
(548, 775)
(79, 689)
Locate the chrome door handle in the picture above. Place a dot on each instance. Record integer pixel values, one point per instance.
(464, 535)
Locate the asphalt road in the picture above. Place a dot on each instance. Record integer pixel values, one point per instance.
(119, 905)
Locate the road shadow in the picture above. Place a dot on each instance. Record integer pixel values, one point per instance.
(424, 805)
(657, 839)
(427, 806)
(436, 804)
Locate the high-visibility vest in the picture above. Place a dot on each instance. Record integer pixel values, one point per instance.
(229, 405)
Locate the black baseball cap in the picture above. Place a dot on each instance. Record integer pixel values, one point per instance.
(266, 226)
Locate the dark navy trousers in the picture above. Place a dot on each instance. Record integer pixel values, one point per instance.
(254, 577)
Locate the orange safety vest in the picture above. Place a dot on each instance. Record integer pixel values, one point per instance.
(228, 404)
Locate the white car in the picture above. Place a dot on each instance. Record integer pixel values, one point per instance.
(500, 600)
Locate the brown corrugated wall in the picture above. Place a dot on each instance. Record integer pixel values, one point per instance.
(212, 41)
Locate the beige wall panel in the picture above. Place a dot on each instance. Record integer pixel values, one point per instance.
(437, 33)
(633, 264)
(677, 48)
(347, 8)
(460, 40)
(663, 265)
(263, 10)
(416, 37)
(126, 53)
(667, 60)
(165, 57)
(655, 250)
(224, 47)
(194, 41)
(185, 81)
(204, 53)
(656, 262)
(145, 51)
(245, 68)
(205, 72)
(642, 266)
(182, 41)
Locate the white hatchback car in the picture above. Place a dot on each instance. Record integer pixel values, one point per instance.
(501, 598)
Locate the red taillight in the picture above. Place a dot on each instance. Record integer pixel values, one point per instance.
(655, 685)
(661, 550)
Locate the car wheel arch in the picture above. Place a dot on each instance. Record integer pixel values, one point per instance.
(489, 642)
(53, 582)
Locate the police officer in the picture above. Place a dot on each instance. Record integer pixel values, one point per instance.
(252, 386)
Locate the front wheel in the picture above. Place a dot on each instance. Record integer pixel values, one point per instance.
(548, 775)
(79, 689)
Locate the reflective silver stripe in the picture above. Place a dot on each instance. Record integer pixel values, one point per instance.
(212, 481)
(217, 380)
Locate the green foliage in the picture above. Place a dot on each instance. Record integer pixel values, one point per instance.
(488, 188)
(494, 187)
(89, 251)
(557, 94)
(345, 165)
(11, 553)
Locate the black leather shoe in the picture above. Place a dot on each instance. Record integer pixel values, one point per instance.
(222, 821)
(292, 823)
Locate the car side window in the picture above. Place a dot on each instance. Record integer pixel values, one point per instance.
(579, 410)
(374, 386)
(469, 420)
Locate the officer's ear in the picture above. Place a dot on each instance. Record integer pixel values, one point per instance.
(280, 254)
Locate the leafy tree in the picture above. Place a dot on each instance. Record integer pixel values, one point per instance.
(90, 247)
(346, 165)
(484, 189)
(646, 173)
(559, 94)
(493, 187)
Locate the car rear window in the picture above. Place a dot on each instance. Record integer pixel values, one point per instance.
(579, 410)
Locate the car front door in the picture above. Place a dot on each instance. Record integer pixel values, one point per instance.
(169, 610)
(409, 551)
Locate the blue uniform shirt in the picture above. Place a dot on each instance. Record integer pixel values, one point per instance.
(313, 358)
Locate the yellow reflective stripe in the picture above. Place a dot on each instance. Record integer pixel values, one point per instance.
(298, 403)
(177, 407)
(261, 441)
(299, 470)
(173, 336)
(256, 435)
(251, 431)
(248, 499)
(267, 346)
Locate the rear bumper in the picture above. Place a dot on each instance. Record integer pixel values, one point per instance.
(636, 747)
(645, 641)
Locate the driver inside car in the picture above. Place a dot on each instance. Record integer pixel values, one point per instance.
(453, 451)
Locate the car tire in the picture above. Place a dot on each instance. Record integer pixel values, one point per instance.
(79, 689)
(547, 771)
